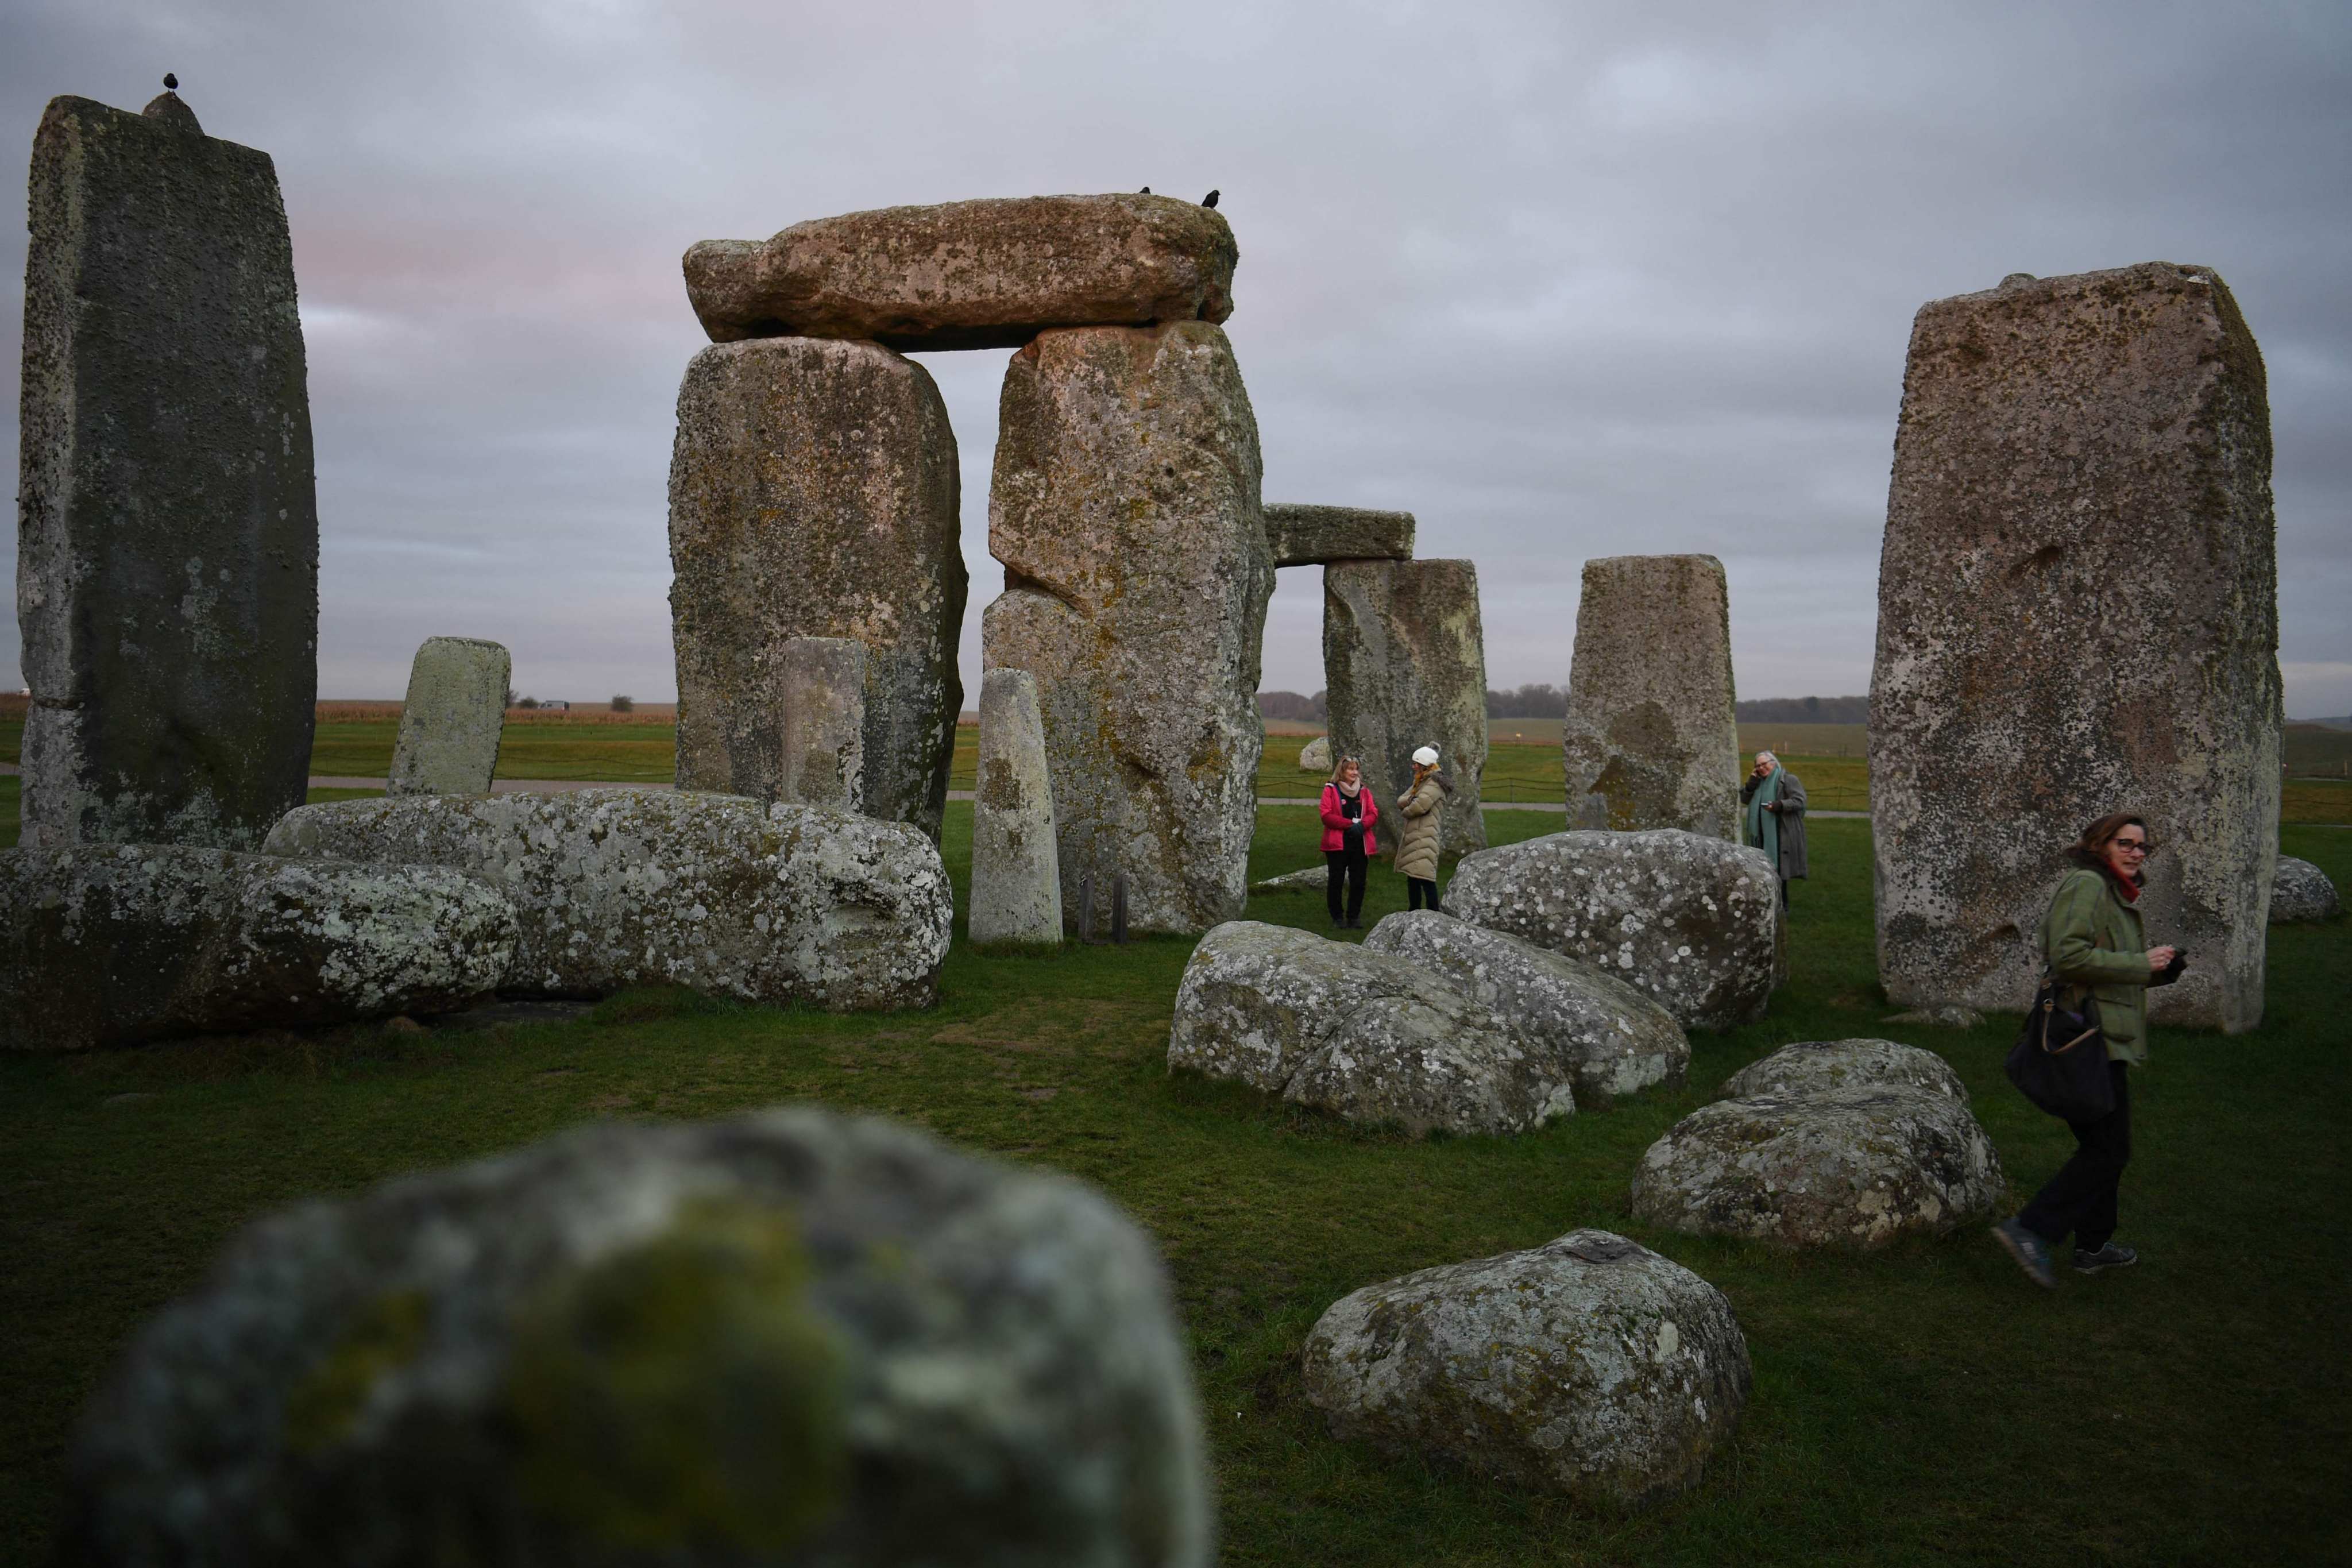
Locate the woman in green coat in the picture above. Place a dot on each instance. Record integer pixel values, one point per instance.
(2094, 941)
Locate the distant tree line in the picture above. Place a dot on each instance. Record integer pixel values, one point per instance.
(1542, 700)
(1291, 707)
(1805, 711)
(1532, 701)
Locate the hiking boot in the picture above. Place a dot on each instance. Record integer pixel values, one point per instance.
(2032, 1253)
(2106, 1258)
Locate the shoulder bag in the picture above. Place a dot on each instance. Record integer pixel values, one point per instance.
(2060, 1060)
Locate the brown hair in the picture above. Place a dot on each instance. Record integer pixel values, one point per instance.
(1340, 765)
(2090, 849)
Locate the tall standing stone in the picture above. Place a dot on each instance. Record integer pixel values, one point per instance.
(2077, 614)
(1126, 511)
(167, 570)
(812, 492)
(1404, 660)
(823, 700)
(1652, 736)
(1016, 883)
(454, 718)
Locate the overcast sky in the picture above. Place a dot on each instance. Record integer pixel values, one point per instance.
(1561, 281)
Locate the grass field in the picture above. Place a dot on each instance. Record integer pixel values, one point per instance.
(1920, 1404)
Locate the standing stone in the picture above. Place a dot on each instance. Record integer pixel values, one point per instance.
(1016, 883)
(451, 723)
(1404, 657)
(1315, 757)
(2056, 436)
(1652, 737)
(167, 568)
(1318, 535)
(1126, 513)
(823, 694)
(812, 492)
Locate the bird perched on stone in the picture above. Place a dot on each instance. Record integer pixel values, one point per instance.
(1145, 192)
(171, 82)
(1210, 200)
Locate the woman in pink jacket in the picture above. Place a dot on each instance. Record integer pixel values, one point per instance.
(1348, 812)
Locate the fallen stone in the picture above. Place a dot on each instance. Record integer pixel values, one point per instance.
(1810, 1067)
(1016, 880)
(790, 1337)
(112, 944)
(1314, 877)
(813, 493)
(1607, 1037)
(2050, 428)
(624, 887)
(1690, 920)
(1652, 736)
(1591, 1366)
(1939, 1018)
(1317, 535)
(1861, 1167)
(453, 721)
(971, 275)
(167, 572)
(1125, 510)
(1315, 757)
(1366, 1035)
(1404, 657)
(823, 694)
(2301, 892)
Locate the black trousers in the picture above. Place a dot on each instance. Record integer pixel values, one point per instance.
(1416, 889)
(1346, 868)
(2080, 1197)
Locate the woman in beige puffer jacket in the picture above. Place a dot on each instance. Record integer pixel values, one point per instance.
(1417, 843)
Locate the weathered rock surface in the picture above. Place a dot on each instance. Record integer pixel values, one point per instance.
(167, 555)
(1404, 659)
(1316, 535)
(971, 275)
(454, 718)
(1860, 1166)
(1016, 880)
(621, 887)
(2301, 892)
(1810, 1067)
(1939, 1018)
(822, 693)
(1124, 509)
(790, 1337)
(1691, 921)
(111, 944)
(1315, 757)
(2051, 428)
(812, 492)
(1313, 876)
(1363, 1035)
(1591, 1366)
(1652, 736)
(1610, 1037)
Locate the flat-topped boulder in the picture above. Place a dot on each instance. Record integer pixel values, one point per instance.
(1809, 1067)
(989, 274)
(624, 886)
(1366, 1035)
(1610, 1037)
(112, 944)
(1316, 535)
(1857, 1167)
(790, 1337)
(1691, 921)
(2301, 892)
(1591, 1366)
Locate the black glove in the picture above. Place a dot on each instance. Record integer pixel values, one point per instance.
(2171, 971)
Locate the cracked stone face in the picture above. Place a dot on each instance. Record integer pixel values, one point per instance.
(1652, 735)
(2054, 431)
(1591, 1366)
(787, 1336)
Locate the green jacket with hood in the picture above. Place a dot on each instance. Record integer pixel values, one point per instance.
(2093, 940)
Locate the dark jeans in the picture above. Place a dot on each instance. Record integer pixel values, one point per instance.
(1347, 866)
(1416, 889)
(2080, 1197)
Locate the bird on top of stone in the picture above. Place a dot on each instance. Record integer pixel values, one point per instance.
(1145, 192)
(171, 82)
(1210, 200)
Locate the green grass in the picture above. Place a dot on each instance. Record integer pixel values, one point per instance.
(1921, 1405)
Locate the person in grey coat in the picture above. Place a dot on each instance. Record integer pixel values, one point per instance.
(1774, 802)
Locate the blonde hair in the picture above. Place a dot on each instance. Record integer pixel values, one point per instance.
(1340, 765)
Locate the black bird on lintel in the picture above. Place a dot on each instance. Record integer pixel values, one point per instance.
(1210, 200)
(1145, 192)
(171, 82)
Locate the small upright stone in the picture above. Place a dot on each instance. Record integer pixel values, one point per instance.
(451, 724)
(823, 694)
(1652, 737)
(1318, 535)
(2056, 434)
(1016, 880)
(1404, 655)
(167, 569)
(1315, 757)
